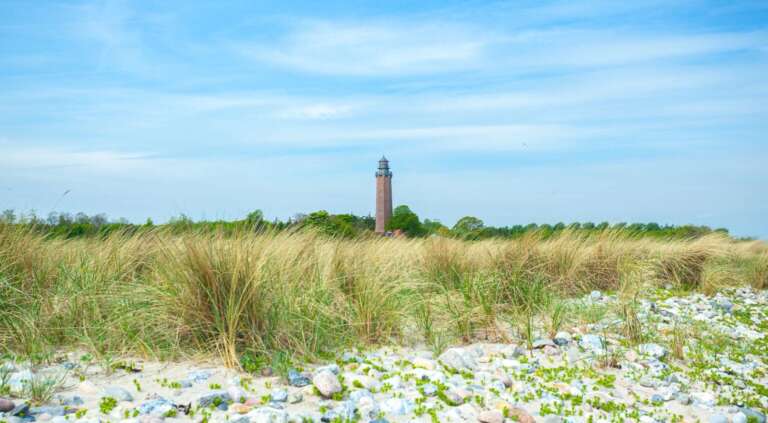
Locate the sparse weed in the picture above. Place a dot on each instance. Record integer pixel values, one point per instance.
(41, 388)
(632, 327)
(678, 341)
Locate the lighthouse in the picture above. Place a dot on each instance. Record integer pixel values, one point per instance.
(383, 195)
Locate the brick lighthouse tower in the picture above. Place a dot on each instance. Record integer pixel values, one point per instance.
(383, 195)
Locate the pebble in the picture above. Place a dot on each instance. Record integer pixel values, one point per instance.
(295, 398)
(457, 359)
(6, 405)
(653, 350)
(327, 383)
(542, 342)
(213, 397)
(490, 416)
(118, 393)
(562, 338)
(718, 418)
(683, 399)
(424, 363)
(268, 415)
(592, 343)
(703, 398)
(241, 408)
(297, 379)
(279, 395)
(757, 416)
(429, 390)
(739, 418)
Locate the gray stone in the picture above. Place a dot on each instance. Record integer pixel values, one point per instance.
(72, 401)
(236, 394)
(396, 406)
(156, 406)
(333, 368)
(562, 339)
(542, 342)
(657, 399)
(279, 395)
(348, 357)
(703, 398)
(297, 379)
(453, 397)
(429, 390)
(592, 343)
(739, 418)
(648, 382)
(653, 350)
(723, 304)
(118, 393)
(268, 415)
(51, 410)
(346, 410)
(758, 416)
(458, 359)
(718, 418)
(295, 398)
(359, 394)
(198, 376)
(213, 397)
(683, 399)
(595, 295)
(327, 383)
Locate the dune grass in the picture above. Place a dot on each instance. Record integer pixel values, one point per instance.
(304, 295)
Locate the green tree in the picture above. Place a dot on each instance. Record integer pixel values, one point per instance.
(255, 217)
(434, 227)
(468, 227)
(328, 224)
(405, 220)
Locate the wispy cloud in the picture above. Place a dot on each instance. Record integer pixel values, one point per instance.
(378, 49)
(373, 48)
(46, 158)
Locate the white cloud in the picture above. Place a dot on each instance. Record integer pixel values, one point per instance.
(42, 158)
(374, 48)
(408, 48)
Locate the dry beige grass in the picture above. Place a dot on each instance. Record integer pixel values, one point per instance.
(162, 294)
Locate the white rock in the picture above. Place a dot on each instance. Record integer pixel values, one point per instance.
(424, 363)
(236, 393)
(87, 387)
(268, 415)
(327, 383)
(458, 359)
(491, 416)
(653, 350)
(703, 398)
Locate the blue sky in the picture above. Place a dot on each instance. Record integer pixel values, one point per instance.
(514, 112)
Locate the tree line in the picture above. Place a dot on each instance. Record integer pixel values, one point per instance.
(404, 220)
